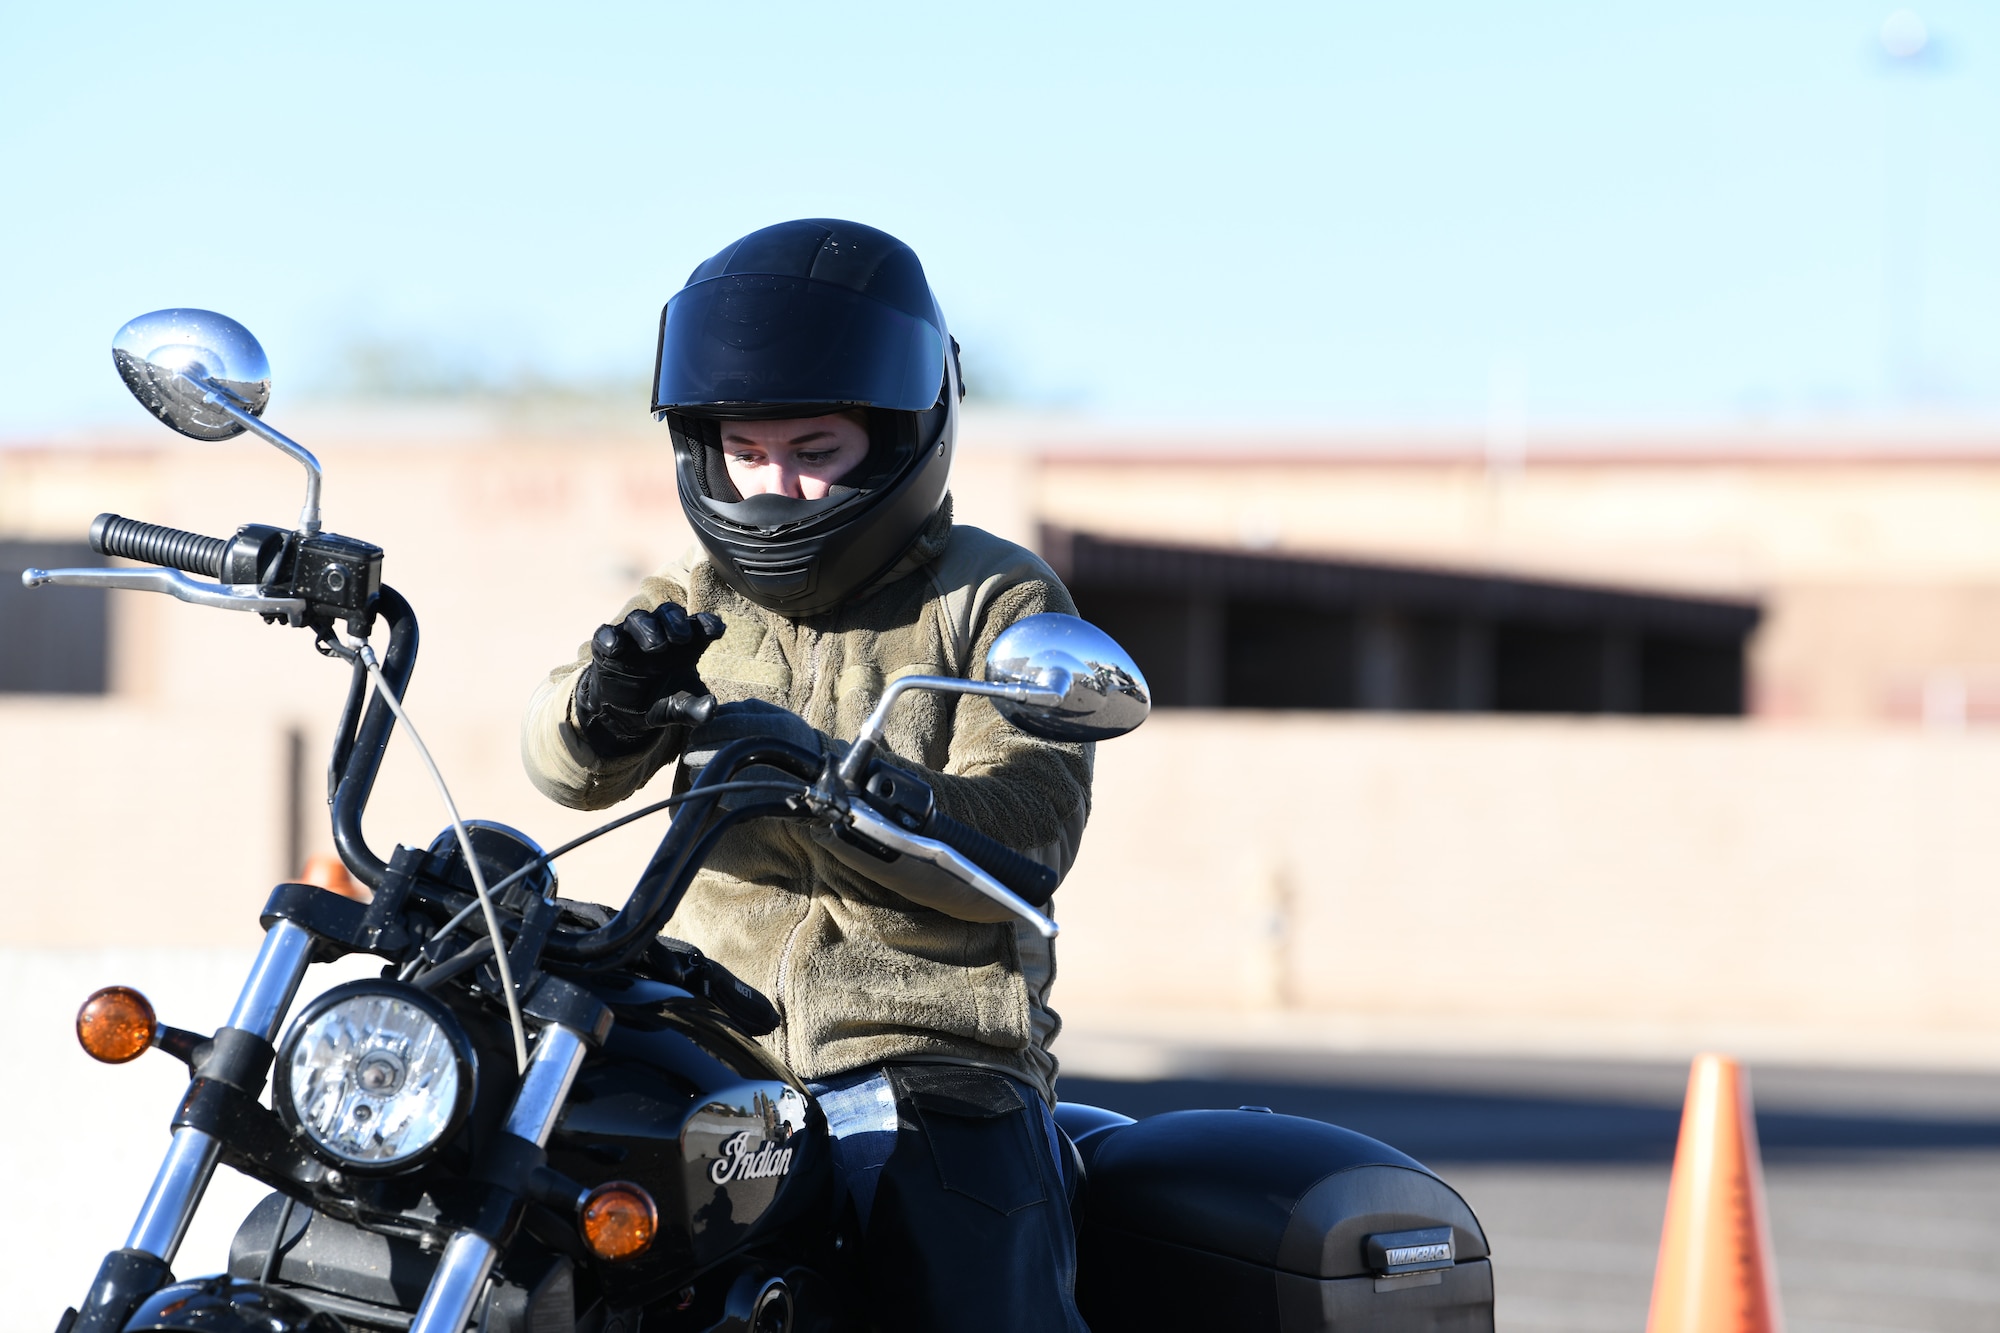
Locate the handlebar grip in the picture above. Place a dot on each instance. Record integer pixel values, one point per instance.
(153, 544)
(1030, 878)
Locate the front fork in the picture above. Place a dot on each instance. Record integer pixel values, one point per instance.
(144, 1265)
(468, 1258)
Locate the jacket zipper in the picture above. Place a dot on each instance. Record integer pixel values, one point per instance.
(813, 656)
(785, 974)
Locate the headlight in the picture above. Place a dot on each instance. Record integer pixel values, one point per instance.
(375, 1074)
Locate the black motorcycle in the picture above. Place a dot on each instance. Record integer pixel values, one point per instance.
(545, 1118)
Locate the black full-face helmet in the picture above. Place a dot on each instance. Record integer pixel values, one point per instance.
(799, 320)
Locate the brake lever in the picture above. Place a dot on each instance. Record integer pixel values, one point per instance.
(228, 596)
(865, 820)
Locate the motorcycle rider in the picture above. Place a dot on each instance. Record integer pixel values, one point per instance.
(811, 390)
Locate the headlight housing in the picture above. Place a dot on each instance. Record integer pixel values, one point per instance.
(375, 1075)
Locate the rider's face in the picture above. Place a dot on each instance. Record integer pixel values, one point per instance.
(801, 457)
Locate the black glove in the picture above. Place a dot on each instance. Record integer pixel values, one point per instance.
(681, 964)
(637, 667)
(742, 720)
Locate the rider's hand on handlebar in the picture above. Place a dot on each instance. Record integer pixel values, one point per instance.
(681, 964)
(743, 720)
(645, 659)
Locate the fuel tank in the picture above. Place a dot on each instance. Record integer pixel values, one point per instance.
(726, 1141)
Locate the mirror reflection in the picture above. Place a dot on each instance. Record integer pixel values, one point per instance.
(1107, 695)
(171, 360)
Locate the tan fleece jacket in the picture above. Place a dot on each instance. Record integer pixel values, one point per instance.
(867, 962)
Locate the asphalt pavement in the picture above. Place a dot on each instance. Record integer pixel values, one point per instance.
(1884, 1186)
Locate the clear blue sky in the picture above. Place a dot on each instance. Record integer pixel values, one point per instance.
(1330, 212)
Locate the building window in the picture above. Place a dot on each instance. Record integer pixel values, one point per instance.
(1226, 629)
(52, 640)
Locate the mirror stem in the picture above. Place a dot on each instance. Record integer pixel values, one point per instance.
(1049, 694)
(308, 516)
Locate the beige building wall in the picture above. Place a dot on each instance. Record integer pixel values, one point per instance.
(1556, 886)
(1814, 883)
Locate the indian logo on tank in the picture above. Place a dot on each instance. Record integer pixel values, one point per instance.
(744, 1160)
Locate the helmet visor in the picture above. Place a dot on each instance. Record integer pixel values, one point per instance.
(751, 340)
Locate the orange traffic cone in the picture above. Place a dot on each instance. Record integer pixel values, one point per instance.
(1716, 1271)
(329, 874)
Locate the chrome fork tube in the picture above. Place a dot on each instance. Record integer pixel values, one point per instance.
(545, 1087)
(274, 980)
(176, 1193)
(453, 1296)
(456, 1286)
(183, 1178)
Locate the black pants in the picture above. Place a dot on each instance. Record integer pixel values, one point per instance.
(953, 1179)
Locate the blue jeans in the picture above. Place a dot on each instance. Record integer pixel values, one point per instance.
(956, 1180)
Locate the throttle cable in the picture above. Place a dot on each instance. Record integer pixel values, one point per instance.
(612, 826)
(485, 899)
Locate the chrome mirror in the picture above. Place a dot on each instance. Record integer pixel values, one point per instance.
(1105, 694)
(178, 362)
(207, 377)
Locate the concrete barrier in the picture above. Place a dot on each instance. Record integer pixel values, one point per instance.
(1586, 886)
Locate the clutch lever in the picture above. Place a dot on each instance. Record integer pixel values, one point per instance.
(228, 596)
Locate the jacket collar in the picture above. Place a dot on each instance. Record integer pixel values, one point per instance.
(928, 546)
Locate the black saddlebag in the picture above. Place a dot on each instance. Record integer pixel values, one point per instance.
(1217, 1220)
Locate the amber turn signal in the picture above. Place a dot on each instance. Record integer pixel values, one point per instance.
(116, 1024)
(618, 1221)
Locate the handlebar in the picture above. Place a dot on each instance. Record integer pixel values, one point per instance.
(156, 544)
(1035, 882)
(684, 848)
(364, 753)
